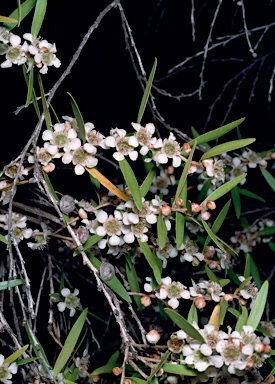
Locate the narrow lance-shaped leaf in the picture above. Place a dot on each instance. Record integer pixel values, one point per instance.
(30, 87)
(247, 193)
(26, 7)
(12, 283)
(39, 14)
(258, 307)
(45, 105)
(146, 92)
(269, 178)
(215, 134)
(162, 231)
(223, 309)
(147, 183)
(79, 118)
(34, 99)
(10, 359)
(226, 147)
(242, 320)
(19, 12)
(218, 222)
(179, 369)
(212, 235)
(70, 343)
(192, 314)
(3, 239)
(184, 174)
(183, 324)
(132, 279)
(160, 364)
(5, 19)
(131, 181)
(180, 219)
(222, 190)
(247, 265)
(211, 275)
(152, 260)
(215, 316)
(236, 201)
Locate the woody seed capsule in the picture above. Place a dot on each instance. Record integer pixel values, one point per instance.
(67, 204)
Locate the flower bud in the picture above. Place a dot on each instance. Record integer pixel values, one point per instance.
(179, 202)
(145, 301)
(67, 204)
(212, 264)
(48, 168)
(186, 149)
(166, 210)
(259, 346)
(250, 364)
(211, 204)
(267, 348)
(95, 378)
(160, 372)
(116, 371)
(172, 379)
(153, 336)
(205, 215)
(170, 170)
(200, 303)
(195, 207)
(82, 213)
(228, 297)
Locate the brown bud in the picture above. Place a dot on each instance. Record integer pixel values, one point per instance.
(166, 210)
(195, 207)
(267, 348)
(211, 204)
(179, 202)
(145, 301)
(228, 297)
(200, 303)
(116, 371)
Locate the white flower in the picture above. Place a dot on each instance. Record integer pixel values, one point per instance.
(125, 145)
(191, 252)
(46, 57)
(169, 149)
(71, 301)
(16, 53)
(173, 290)
(253, 159)
(143, 136)
(162, 182)
(81, 159)
(6, 371)
(214, 169)
(238, 169)
(166, 252)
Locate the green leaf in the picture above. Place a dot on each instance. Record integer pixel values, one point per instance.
(234, 312)
(243, 283)
(70, 343)
(212, 235)
(223, 308)
(247, 268)
(19, 12)
(258, 306)
(247, 193)
(215, 134)
(79, 118)
(218, 222)
(131, 181)
(45, 105)
(136, 380)
(180, 219)
(34, 99)
(146, 92)
(114, 284)
(242, 320)
(162, 231)
(184, 174)
(269, 178)
(42, 352)
(11, 283)
(226, 147)
(104, 369)
(236, 201)
(152, 259)
(147, 183)
(255, 273)
(267, 231)
(26, 361)
(113, 359)
(26, 7)
(49, 184)
(179, 369)
(223, 189)
(132, 279)
(192, 314)
(30, 87)
(183, 324)
(196, 134)
(39, 14)
(10, 359)
(92, 240)
(211, 275)
(160, 364)
(233, 276)
(3, 239)
(5, 19)
(271, 246)
(224, 282)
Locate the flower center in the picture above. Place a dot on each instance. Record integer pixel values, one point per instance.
(169, 149)
(123, 146)
(138, 228)
(60, 139)
(143, 137)
(174, 291)
(47, 58)
(71, 301)
(79, 156)
(112, 227)
(231, 353)
(14, 53)
(4, 372)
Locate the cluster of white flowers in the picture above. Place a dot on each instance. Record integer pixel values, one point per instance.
(19, 226)
(235, 351)
(246, 239)
(34, 51)
(6, 370)
(200, 292)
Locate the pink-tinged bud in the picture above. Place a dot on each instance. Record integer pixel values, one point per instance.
(127, 381)
(82, 214)
(267, 348)
(228, 297)
(170, 170)
(166, 210)
(160, 372)
(116, 371)
(192, 169)
(195, 207)
(153, 336)
(242, 301)
(209, 251)
(48, 168)
(179, 202)
(259, 346)
(250, 364)
(95, 378)
(205, 215)
(200, 303)
(264, 165)
(145, 301)
(212, 264)
(186, 149)
(211, 204)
